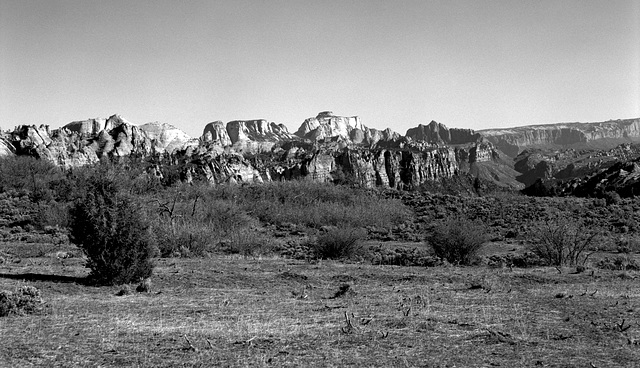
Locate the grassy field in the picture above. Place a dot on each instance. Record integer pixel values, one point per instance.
(234, 311)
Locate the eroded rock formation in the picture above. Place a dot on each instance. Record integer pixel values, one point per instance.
(513, 140)
(436, 133)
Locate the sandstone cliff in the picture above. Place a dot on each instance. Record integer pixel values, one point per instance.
(512, 141)
(6, 148)
(327, 126)
(436, 133)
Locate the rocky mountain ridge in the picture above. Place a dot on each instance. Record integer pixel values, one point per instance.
(513, 140)
(326, 148)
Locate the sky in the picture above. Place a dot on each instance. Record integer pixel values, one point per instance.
(465, 63)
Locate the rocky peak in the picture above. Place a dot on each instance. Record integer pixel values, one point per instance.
(165, 137)
(327, 125)
(92, 127)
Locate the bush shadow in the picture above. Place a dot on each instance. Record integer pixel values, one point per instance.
(31, 277)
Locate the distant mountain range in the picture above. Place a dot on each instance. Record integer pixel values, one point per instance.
(328, 147)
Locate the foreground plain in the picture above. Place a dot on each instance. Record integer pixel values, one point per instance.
(234, 311)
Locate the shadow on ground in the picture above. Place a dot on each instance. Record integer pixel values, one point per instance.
(44, 277)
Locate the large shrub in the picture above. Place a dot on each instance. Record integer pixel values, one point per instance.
(563, 241)
(457, 239)
(112, 231)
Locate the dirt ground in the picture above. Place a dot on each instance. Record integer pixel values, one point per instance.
(259, 312)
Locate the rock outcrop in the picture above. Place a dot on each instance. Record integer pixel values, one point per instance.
(6, 148)
(513, 140)
(436, 133)
(327, 126)
(165, 137)
(84, 142)
(216, 133)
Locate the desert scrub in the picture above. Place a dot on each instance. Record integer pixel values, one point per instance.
(339, 243)
(193, 223)
(621, 263)
(249, 243)
(457, 240)
(38, 177)
(314, 204)
(563, 241)
(112, 230)
(25, 300)
(380, 255)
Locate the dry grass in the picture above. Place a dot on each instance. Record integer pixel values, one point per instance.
(273, 312)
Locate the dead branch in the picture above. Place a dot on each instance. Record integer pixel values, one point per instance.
(502, 337)
(191, 347)
(365, 321)
(585, 292)
(621, 326)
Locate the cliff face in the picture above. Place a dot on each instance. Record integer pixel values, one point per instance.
(379, 167)
(512, 141)
(166, 137)
(327, 126)
(436, 133)
(216, 132)
(6, 148)
(257, 130)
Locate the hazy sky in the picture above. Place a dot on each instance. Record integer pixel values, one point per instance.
(470, 64)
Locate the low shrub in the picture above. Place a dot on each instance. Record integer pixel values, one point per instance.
(248, 243)
(339, 243)
(379, 255)
(524, 260)
(25, 300)
(619, 263)
(51, 214)
(112, 231)
(628, 245)
(457, 240)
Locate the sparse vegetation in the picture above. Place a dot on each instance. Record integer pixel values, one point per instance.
(457, 239)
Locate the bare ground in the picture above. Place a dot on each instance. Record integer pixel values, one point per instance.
(232, 311)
